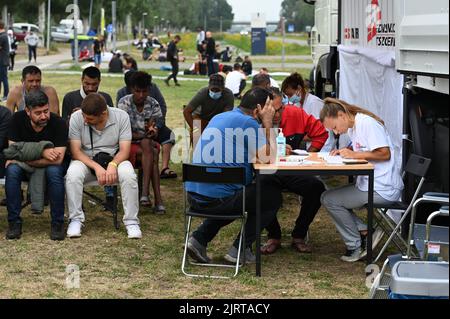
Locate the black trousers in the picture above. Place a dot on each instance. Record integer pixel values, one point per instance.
(310, 188)
(32, 52)
(271, 202)
(175, 69)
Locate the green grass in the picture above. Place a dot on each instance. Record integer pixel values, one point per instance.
(112, 266)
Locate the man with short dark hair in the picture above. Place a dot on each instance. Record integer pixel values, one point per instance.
(146, 125)
(31, 81)
(90, 83)
(207, 103)
(241, 141)
(273, 83)
(4, 60)
(236, 81)
(261, 81)
(172, 57)
(99, 129)
(30, 130)
(247, 66)
(166, 140)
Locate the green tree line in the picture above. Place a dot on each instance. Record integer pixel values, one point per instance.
(189, 14)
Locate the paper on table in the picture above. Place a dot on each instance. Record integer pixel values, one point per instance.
(300, 152)
(337, 159)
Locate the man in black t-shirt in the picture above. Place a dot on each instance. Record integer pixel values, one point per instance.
(5, 117)
(172, 57)
(99, 48)
(36, 124)
(90, 82)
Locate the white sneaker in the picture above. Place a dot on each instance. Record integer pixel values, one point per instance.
(134, 232)
(74, 229)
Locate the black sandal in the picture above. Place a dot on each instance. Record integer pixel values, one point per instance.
(168, 173)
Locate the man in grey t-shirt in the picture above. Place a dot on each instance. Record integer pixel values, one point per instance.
(94, 129)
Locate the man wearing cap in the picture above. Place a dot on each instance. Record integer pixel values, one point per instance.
(207, 103)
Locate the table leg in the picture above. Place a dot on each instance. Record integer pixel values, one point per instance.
(258, 224)
(370, 218)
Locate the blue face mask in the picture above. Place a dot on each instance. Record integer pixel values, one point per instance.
(295, 100)
(215, 95)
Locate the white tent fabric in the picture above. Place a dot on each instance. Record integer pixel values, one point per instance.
(368, 79)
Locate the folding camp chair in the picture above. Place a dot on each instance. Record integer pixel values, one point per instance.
(100, 201)
(417, 166)
(214, 175)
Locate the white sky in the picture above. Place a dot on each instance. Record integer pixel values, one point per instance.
(243, 9)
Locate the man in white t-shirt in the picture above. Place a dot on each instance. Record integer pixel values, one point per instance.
(200, 38)
(32, 41)
(236, 81)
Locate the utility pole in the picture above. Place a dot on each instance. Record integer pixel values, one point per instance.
(75, 30)
(283, 49)
(114, 35)
(90, 14)
(49, 6)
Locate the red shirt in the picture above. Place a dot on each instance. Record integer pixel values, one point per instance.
(296, 123)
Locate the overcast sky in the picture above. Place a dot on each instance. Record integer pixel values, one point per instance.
(243, 9)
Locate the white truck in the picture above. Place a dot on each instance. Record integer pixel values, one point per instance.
(391, 57)
(65, 30)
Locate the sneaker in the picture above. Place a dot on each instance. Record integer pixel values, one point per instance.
(57, 231)
(377, 235)
(14, 231)
(134, 231)
(250, 258)
(159, 210)
(74, 229)
(177, 84)
(167, 82)
(197, 251)
(352, 255)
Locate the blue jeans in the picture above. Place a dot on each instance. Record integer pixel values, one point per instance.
(4, 79)
(55, 187)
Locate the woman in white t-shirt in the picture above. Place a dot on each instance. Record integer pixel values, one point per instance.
(369, 141)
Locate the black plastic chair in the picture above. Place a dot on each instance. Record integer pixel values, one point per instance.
(214, 175)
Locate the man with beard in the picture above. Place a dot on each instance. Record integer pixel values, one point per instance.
(31, 81)
(90, 82)
(30, 128)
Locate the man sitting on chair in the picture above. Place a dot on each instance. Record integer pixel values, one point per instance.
(146, 122)
(29, 130)
(235, 151)
(99, 129)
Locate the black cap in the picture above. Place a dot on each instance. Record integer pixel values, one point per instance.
(216, 81)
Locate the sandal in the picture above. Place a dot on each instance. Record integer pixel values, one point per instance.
(301, 246)
(145, 201)
(271, 246)
(168, 173)
(159, 210)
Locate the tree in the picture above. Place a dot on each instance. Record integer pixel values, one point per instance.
(299, 13)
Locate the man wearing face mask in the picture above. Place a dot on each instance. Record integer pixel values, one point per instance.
(208, 102)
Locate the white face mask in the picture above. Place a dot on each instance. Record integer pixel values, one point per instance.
(215, 95)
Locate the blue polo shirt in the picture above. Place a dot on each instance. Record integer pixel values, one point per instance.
(231, 139)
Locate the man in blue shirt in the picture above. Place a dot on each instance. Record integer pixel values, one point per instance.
(235, 139)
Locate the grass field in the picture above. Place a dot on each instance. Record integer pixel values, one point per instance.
(111, 266)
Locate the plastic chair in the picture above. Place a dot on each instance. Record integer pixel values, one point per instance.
(214, 175)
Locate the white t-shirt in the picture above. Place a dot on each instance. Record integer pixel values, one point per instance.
(313, 105)
(368, 135)
(32, 39)
(274, 83)
(233, 81)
